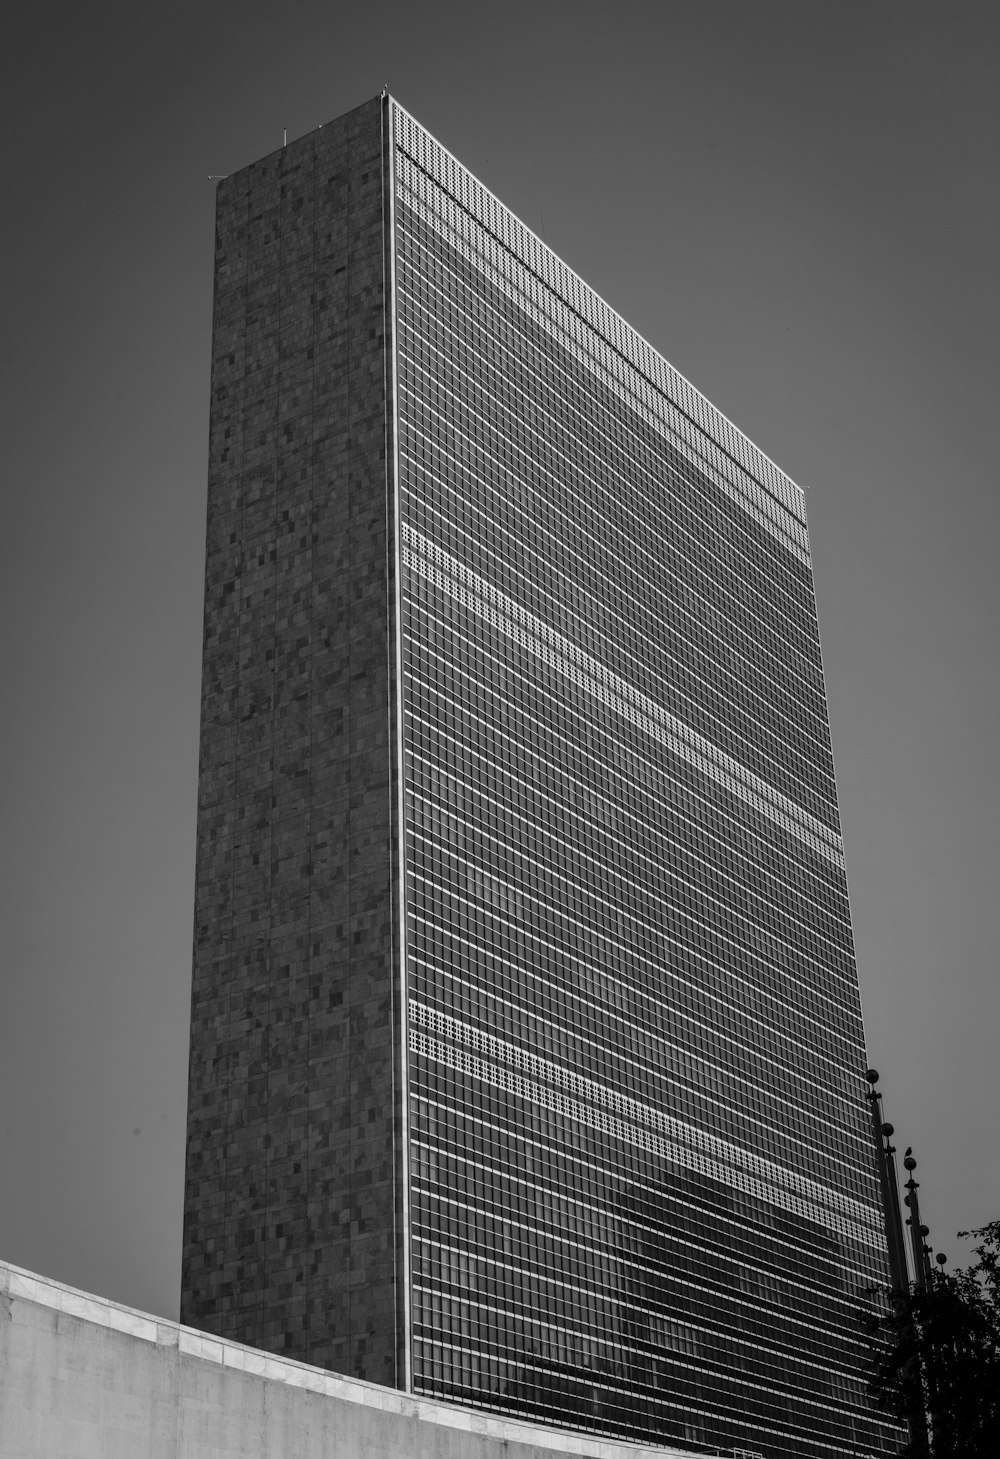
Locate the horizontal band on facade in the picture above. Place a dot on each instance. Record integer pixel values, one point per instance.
(431, 561)
(633, 1121)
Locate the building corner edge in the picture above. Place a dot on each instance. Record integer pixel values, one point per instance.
(400, 998)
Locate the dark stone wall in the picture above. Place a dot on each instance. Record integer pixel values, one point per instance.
(291, 1230)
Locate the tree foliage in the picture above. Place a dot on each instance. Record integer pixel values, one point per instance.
(936, 1351)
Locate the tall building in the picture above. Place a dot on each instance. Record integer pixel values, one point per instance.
(526, 1061)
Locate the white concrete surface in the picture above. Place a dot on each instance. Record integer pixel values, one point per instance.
(83, 1378)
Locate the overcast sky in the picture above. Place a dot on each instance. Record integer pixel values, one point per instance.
(795, 202)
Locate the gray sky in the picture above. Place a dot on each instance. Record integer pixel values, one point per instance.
(797, 203)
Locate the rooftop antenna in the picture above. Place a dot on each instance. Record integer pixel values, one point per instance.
(284, 136)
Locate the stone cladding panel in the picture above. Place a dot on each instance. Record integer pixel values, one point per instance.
(289, 1214)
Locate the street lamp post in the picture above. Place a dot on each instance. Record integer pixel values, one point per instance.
(886, 1162)
(919, 1248)
(916, 1420)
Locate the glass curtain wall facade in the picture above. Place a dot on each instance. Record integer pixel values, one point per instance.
(530, 1073)
(642, 1187)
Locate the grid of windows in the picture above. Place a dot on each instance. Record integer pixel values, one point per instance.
(642, 1199)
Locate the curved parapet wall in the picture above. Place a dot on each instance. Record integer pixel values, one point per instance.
(80, 1376)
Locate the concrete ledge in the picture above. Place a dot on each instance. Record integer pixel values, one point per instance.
(85, 1378)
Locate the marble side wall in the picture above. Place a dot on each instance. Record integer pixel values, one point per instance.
(291, 1230)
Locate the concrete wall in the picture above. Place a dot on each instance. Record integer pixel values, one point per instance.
(83, 1378)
